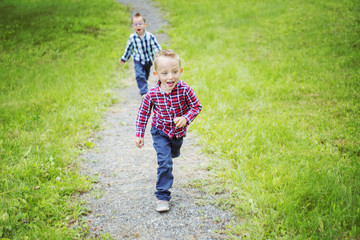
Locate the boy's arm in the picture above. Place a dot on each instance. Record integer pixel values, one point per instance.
(155, 45)
(143, 116)
(195, 106)
(128, 50)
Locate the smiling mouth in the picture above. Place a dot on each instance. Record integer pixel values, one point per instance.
(170, 84)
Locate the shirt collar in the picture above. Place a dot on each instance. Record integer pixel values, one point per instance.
(137, 35)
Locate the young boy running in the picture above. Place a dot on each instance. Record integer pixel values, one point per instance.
(142, 45)
(175, 106)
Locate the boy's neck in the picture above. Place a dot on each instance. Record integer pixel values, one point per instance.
(141, 35)
(165, 90)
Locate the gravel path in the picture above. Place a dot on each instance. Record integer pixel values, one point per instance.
(122, 201)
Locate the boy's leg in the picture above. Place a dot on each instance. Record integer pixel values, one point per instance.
(165, 178)
(141, 77)
(147, 70)
(176, 144)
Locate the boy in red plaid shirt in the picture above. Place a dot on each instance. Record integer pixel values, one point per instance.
(175, 106)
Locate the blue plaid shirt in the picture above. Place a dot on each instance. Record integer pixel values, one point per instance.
(141, 49)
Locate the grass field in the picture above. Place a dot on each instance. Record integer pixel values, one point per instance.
(57, 63)
(280, 85)
(278, 80)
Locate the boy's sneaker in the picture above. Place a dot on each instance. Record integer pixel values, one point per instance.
(162, 206)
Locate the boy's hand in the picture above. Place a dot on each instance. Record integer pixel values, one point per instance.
(121, 62)
(139, 142)
(180, 122)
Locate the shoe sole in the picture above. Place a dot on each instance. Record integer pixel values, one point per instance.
(162, 209)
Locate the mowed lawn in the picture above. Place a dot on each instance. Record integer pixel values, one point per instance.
(58, 63)
(280, 85)
(278, 80)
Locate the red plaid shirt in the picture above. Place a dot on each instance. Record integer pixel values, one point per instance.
(180, 102)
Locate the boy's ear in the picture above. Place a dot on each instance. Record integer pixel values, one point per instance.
(155, 73)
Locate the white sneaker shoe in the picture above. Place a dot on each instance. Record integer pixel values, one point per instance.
(162, 206)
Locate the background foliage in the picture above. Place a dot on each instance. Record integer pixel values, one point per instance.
(279, 81)
(57, 65)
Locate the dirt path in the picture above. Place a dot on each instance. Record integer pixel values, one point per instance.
(123, 201)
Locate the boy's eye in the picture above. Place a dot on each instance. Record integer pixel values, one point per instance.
(138, 24)
(175, 72)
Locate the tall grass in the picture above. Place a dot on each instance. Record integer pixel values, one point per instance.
(57, 63)
(280, 85)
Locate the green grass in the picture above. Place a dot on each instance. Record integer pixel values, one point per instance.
(57, 63)
(279, 83)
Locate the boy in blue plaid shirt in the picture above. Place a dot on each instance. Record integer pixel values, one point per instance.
(142, 45)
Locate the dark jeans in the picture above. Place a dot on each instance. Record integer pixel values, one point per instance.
(166, 150)
(142, 73)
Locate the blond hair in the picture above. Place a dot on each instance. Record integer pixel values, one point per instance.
(166, 53)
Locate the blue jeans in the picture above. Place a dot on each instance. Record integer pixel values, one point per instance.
(142, 73)
(166, 150)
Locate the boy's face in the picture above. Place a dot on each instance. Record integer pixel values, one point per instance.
(139, 25)
(168, 71)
